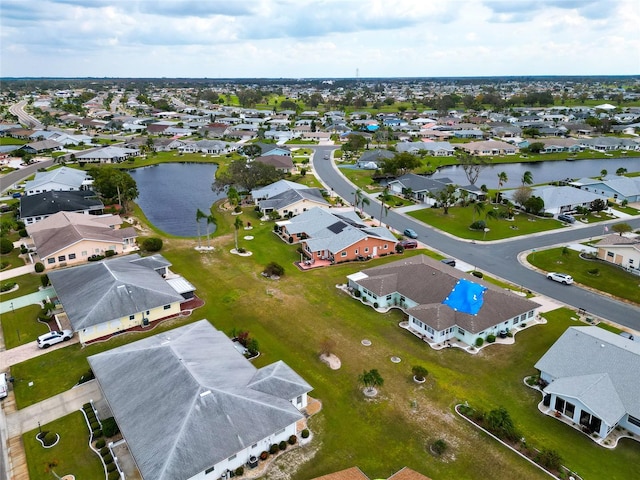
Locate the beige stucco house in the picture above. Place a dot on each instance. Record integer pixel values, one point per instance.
(621, 250)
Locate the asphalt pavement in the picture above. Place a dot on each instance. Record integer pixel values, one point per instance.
(499, 258)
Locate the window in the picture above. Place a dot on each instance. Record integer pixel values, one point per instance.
(147, 312)
(132, 317)
(634, 421)
(299, 400)
(631, 261)
(516, 320)
(530, 314)
(84, 253)
(559, 404)
(209, 470)
(167, 307)
(62, 258)
(343, 254)
(355, 251)
(385, 247)
(51, 260)
(72, 256)
(366, 249)
(232, 457)
(461, 331)
(610, 254)
(388, 297)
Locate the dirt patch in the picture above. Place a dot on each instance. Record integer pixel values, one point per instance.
(331, 360)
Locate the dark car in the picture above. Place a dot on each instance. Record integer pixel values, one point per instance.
(449, 261)
(409, 232)
(408, 244)
(566, 218)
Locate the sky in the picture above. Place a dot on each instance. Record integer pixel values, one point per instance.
(318, 38)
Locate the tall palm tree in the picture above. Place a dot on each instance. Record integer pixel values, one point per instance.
(478, 208)
(502, 179)
(237, 225)
(199, 216)
(527, 178)
(357, 196)
(210, 220)
(364, 201)
(384, 197)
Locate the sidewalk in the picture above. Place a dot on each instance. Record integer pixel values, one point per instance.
(16, 272)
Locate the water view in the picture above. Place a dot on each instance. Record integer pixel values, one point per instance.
(171, 193)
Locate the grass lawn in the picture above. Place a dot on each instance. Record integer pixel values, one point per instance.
(459, 218)
(28, 283)
(609, 279)
(12, 141)
(21, 326)
(71, 453)
(292, 317)
(362, 178)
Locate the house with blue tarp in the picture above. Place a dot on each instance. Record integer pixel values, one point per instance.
(441, 302)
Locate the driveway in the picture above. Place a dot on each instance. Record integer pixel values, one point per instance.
(29, 350)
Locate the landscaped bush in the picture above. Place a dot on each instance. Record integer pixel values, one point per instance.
(100, 443)
(264, 455)
(491, 338)
(110, 427)
(305, 433)
(87, 406)
(44, 280)
(593, 271)
(282, 445)
(399, 248)
(549, 458)
(6, 246)
(49, 438)
(357, 293)
(7, 286)
(85, 377)
(97, 433)
(476, 273)
(479, 342)
(113, 475)
(23, 249)
(375, 305)
(95, 258)
(292, 440)
(439, 446)
(274, 269)
(107, 459)
(39, 267)
(238, 209)
(478, 225)
(112, 467)
(239, 471)
(273, 449)
(104, 451)
(152, 244)
(419, 372)
(94, 425)
(109, 253)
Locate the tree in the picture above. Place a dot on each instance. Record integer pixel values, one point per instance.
(445, 197)
(478, 208)
(499, 422)
(384, 197)
(152, 244)
(598, 205)
(360, 199)
(199, 216)
(603, 173)
(371, 379)
(527, 178)
(233, 196)
(250, 150)
(247, 175)
(522, 194)
(419, 372)
(472, 165)
(502, 179)
(536, 147)
(6, 246)
(400, 163)
(621, 171)
(534, 204)
(114, 184)
(621, 228)
(237, 225)
(211, 220)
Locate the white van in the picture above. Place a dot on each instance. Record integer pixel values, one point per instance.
(4, 387)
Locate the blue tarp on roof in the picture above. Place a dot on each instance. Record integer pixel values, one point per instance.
(372, 128)
(466, 297)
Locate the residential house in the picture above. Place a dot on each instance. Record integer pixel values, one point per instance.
(39, 206)
(372, 159)
(439, 149)
(418, 187)
(442, 303)
(413, 148)
(103, 298)
(591, 379)
(293, 202)
(608, 144)
(617, 188)
(271, 149)
(336, 237)
(108, 154)
(274, 189)
(189, 394)
(623, 250)
(42, 146)
(60, 179)
(211, 147)
(489, 147)
(281, 163)
(354, 473)
(316, 136)
(559, 200)
(473, 133)
(556, 145)
(67, 238)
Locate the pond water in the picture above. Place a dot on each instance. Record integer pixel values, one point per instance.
(171, 193)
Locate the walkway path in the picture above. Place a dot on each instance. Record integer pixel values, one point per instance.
(26, 300)
(16, 272)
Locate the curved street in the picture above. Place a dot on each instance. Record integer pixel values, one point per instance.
(499, 258)
(24, 118)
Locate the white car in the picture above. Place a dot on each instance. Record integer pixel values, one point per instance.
(51, 338)
(4, 386)
(560, 277)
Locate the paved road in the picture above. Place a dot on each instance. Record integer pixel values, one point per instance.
(17, 109)
(498, 258)
(8, 180)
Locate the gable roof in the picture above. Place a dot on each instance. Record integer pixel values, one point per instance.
(555, 197)
(203, 401)
(48, 203)
(71, 177)
(101, 291)
(276, 188)
(598, 367)
(420, 183)
(277, 161)
(289, 197)
(428, 282)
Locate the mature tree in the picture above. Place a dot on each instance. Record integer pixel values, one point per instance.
(114, 185)
(522, 194)
(478, 208)
(472, 165)
(400, 164)
(247, 175)
(354, 143)
(250, 150)
(621, 228)
(534, 204)
(531, 132)
(502, 179)
(527, 178)
(621, 171)
(233, 196)
(289, 105)
(598, 205)
(445, 197)
(536, 147)
(371, 379)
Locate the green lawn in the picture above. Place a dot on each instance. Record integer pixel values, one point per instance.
(459, 218)
(21, 326)
(609, 279)
(291, 317)
(28, 283)
(71, 453)
(12, 141)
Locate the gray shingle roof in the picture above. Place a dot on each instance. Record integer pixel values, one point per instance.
(64, 175)
(419, 183)
(289, 197)
(101, 291)
(187, 399)
(598, 367)
(49, 203)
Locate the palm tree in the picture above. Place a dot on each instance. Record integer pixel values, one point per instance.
(370, 380)
(502, 179)
(478, 208)
(237, 225)
(603, 173)
(357, 196)
(527, 178)
(210, 220)
(199, 216)
(384, 197)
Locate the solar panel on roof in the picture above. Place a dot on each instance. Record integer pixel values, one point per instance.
(337, 227)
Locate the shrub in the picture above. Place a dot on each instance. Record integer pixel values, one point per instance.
(50, 438)
(23, 232)
(107, 459)
(95, 258)
(478, 225)
(39, 267)
(491, 338)
(273, 449)
(479, 342)
(274, 269)
(104, 451)
(439, 446)
(6, 246)
(7, 286)
(152, 244)
(282, 445)
(100, 443)
(114, 475)
(399, 248)
(95, 425)
(357, 294)
(44, 280)
(476, 273)
(97, 433)
(112, 467)
(88, 375)
(593, 271)
(264, 455)
(238, 209)
(549, 458)
(305, 433)
(292, 440)
(109, 253)
(23, 249)
(87, 406)
(375, 305)
(110, 427)
(239, 471)
(419, 372)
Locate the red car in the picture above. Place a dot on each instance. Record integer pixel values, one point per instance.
(407, 244)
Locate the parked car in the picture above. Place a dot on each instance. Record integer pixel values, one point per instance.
(629, 336)
(411, 233)
(4, 385)
(449, 261)
(408, 244)
(56, 336)
(566, 218)
(560, 277)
